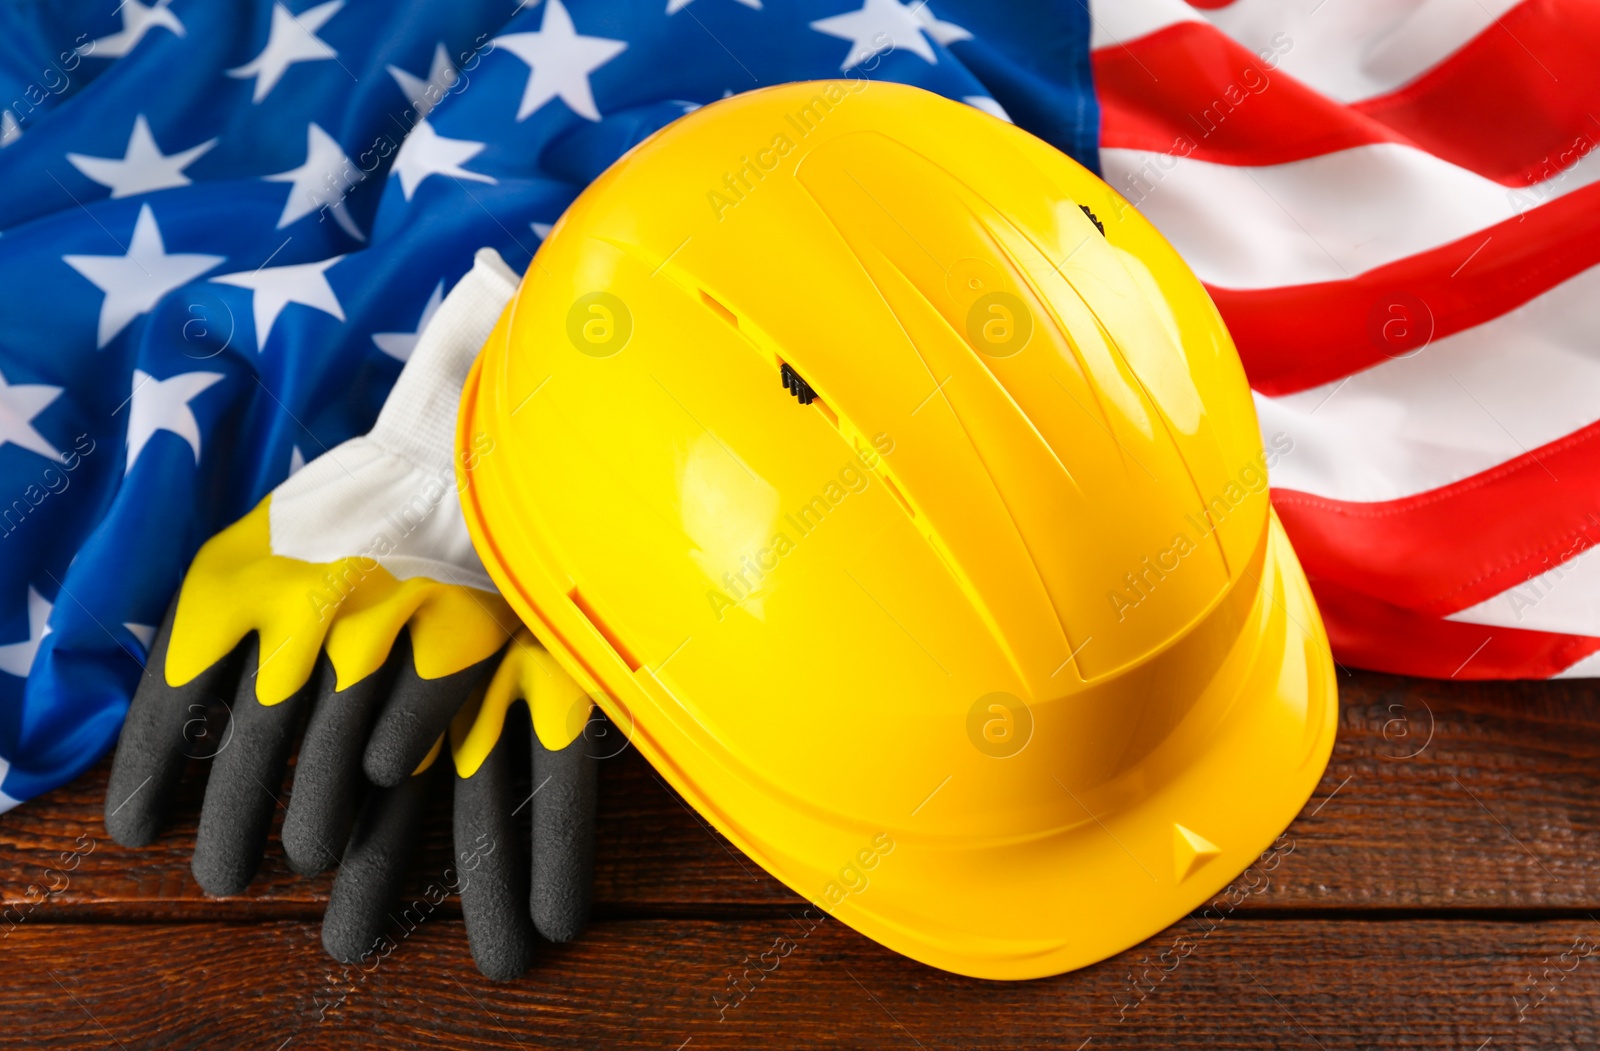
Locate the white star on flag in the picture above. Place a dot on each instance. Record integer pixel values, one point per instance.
(989, 106)
(143, 167)
(542, 229)
(559, 62)
(19, 405)
(137, 20)
(145, 633)
(6, 801)
(425, 93)
(10, 130)
(425, 152)
(674, 6)
(291, 39)
(399, 345)
(276, 287)
(886, 25)
(942, 32)
(135, 282)
(163, 405)
(323, 181)
(16, 658)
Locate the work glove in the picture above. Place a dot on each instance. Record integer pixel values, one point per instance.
(515, 886)
(350, 596)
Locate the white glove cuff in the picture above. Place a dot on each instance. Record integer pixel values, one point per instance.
(390, 495)
(418, 420)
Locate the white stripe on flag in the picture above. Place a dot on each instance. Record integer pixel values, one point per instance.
(1325, 218)
(1354, 49)
(6, 801)
(1588, 668)
(1459, 406)
(1115, 22)
(1565, 598)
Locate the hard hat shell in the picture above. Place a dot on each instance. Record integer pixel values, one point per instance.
(914, 528)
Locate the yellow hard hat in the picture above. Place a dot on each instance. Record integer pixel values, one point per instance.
(914, 526)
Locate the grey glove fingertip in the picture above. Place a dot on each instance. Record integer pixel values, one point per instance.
(374, 869)
(493, 868)
(165, 726)
(242, 791)
(328, 782)
(565, 790)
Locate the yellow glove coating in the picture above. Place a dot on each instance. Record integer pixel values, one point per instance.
(559, 706)
(354, 606)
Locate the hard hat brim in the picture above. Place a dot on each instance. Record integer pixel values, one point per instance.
(1206, 839)
(1203, 840)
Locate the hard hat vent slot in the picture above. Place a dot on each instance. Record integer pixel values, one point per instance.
(718, 309)
(796, 386)
(604, 629)
(894, 490)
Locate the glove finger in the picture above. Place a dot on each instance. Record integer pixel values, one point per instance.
(564, 791)
(417, 713)
(242, 791)
(494, 866)
(327, 776)
(374, 868)
(165, 727)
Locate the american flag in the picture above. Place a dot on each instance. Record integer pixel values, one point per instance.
(1393, 204)
(224, 223)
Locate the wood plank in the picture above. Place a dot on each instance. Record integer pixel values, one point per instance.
(653, 855)
(1250, 983)
(1440, 795)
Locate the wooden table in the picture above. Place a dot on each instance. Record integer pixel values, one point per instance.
(1440, 890)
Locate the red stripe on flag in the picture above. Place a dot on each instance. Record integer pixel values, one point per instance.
(1512, 113)
(1516, 104)
(1370, 633)
(1303, 336)
(1213, 100)
(1450, 548)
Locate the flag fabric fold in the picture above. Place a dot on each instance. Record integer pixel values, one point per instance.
(1394, 207)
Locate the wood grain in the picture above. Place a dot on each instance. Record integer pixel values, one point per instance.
(1440, 795)
(1441, 893)
(1253, 983)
